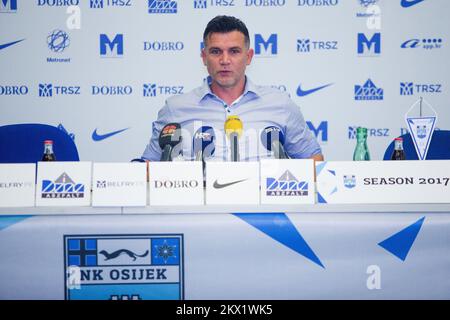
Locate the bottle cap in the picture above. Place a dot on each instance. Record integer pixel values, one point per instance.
(48, 142)
(398, 139)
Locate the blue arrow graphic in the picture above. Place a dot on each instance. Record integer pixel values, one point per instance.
(400, 243)
(280, 228)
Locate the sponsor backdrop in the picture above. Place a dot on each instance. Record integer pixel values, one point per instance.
(101, 69)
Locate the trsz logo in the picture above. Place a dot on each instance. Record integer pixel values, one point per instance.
(8, 6)
(307, 45)
(409, 88)
(409, 3)
(203, 4)
(368, 91)
(321, 129)
(162, 6)
(371, 132)
(153, 90)
(267, 48)
(100, 4)
(49, 90)
(373, 45)
(112, 48)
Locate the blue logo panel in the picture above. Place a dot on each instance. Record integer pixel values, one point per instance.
(124, 267)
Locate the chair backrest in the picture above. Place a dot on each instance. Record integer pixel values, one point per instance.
(24, 143)
(439, 147)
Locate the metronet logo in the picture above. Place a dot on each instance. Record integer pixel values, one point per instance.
(152, 90)
(368, 91)
(427, 44)
(371, 132)
(8, 6)
(48, 90)
(409, 88)
(63, 187)
(409, 3)
(115, 46)
(112, 90)
(364, 43)
(286, 186)
(57, 3)
(321, 130)
(58, 41)
(317, 3)
(265, 3)
(262, 46)
(371, 9)
(162, 6)
(203, 4)
(161, 46)
(100, 4)
(306, 45)
(13, 90)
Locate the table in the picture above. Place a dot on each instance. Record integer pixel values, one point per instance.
(226, 252)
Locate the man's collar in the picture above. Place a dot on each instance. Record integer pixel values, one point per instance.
(250, 88)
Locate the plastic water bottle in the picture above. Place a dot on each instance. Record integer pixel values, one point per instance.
(361, 150)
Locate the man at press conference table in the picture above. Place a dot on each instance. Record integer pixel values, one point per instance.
(229, 92)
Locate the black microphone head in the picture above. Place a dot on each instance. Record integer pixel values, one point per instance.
(204, 141)
(270, 134)
(170, 135)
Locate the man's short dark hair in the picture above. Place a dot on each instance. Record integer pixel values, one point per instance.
(224, 24)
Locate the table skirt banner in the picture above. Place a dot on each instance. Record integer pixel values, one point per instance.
(226, 256)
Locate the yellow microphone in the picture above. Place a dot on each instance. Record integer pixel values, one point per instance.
(233, 130)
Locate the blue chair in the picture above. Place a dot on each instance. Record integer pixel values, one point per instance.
(439, 147)
(24, 143)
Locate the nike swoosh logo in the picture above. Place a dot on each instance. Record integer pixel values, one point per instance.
(100, 137)
(218, 185)
(410, 3)
(6, 45)
(302, 93)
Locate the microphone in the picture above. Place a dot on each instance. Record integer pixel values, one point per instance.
(169, 137)
(233, 130)
(273, 140)
(204, 143)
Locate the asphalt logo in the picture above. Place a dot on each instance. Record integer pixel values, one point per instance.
(6, 45)
(303, 93)
(218, 185)
(100, 137)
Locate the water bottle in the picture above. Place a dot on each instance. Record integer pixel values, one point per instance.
(361, 150)
(399, 153)
(48, 151)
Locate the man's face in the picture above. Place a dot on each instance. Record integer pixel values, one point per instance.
(226, 57)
